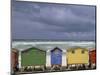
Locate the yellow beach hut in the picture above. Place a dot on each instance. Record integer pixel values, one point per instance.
(77, 55)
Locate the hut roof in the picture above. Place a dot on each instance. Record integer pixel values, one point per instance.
(26, 50)
(14, 50)
(55, 49)
(93, 50)
(75, 48)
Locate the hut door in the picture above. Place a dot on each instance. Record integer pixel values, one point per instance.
(56, 57)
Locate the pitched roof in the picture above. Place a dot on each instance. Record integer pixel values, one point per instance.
(14, 50)
(26, 50)
(55, 49)
(75, 48)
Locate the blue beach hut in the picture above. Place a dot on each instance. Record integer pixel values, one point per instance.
(56, 56)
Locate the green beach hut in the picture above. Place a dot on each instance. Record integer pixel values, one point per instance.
(33, 57)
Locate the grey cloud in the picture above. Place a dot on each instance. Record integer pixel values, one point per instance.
(40, 20)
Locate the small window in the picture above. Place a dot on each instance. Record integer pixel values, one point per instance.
(83, 51)
(73, 51)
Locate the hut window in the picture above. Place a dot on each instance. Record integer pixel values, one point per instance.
(83, 51)
(73, 51)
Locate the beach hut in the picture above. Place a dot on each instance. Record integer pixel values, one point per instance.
(92, 58)
(56, 57)
(77, 56)
(14, 59)
(33, 57)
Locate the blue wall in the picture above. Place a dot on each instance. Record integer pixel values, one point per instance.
(56, 56)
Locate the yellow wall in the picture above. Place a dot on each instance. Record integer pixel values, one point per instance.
(77, 57)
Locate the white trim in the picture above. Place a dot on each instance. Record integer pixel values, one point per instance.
(64, 63)
(48, 58)
(19, 59)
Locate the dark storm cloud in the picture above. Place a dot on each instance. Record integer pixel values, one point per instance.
(52, 21)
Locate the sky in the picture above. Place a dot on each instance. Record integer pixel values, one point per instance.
(34, 20)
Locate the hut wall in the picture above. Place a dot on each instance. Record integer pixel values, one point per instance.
(77, 57)
(92, 56)
(33, 57)
(14, 59)
(56, 57)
